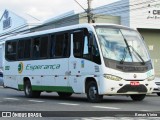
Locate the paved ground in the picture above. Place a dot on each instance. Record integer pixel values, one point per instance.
(12, 100)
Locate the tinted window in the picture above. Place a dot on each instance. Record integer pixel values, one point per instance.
(52, 46)
(82, 47)
(60, 46)
(44, 46)
(77, 41)
(21, 49)
(27, 51)
(36, 48)
(11, 50)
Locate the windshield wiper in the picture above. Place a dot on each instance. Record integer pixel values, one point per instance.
(143, 63)
(124, 56)
(125, 52)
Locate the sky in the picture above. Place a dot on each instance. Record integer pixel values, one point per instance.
(45, 9)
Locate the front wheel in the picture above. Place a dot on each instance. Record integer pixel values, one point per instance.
(92, 93)
(138, 97)
(28, 90)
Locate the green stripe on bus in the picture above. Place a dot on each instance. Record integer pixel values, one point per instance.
(49, 88)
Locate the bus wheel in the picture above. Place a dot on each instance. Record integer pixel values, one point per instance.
(139, 97)
(158, 94)
(28, 90)
(64, 94)
(92, 93)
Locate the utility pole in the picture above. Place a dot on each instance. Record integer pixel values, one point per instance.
(88, 10)
(89, 13)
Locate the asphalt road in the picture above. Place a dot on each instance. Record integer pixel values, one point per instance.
(12, 100)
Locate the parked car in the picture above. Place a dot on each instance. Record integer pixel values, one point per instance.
(157, 86)
(1, 78)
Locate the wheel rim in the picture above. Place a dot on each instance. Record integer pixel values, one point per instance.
(92, 92)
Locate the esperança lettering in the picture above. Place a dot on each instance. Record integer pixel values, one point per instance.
(39, 67)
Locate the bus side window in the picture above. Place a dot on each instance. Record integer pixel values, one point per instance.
(36, 48)
(95, 52)
(59, 45)
(52, 46)
(44, 47)
(27, 49)
(86, 51)
(11, 48)
(66, 45)
(77, 44)
(21, 49)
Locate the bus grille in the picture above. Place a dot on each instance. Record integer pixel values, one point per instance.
(129, 88)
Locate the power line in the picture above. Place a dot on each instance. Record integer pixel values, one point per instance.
(81, 6)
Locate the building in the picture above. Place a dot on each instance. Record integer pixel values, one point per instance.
(13, 24)
(71, 19)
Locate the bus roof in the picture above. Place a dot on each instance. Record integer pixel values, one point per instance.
(71, 27)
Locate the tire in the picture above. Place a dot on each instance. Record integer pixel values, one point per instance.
(139, 97)
(28, 91)
(64, 94)
(92, 93)
(158, 94)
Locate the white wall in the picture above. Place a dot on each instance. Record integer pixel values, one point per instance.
(16, 23)
(119, 8)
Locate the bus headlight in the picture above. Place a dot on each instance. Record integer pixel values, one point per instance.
(112, 77)
(151, 78)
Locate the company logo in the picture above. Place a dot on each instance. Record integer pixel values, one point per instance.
(20, 67)
(135, 76)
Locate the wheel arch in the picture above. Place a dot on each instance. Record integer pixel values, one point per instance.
(25, 79)
(88, 80)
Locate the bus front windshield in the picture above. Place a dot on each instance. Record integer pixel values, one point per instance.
(122, 45)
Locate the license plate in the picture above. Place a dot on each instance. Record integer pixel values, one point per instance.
(134, 83)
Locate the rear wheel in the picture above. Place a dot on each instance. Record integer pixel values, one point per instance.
(64, 94)
(92, 93)
(28, 90)
(138, 97)
(158, 94)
